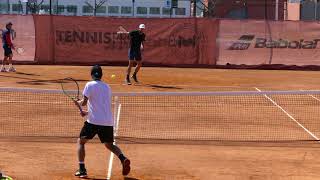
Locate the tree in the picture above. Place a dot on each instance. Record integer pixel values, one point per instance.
(34, 6)
(96, 5)
(207, 7)
(20, 7)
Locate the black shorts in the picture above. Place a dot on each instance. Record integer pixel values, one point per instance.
(7, 50)
(135, 54)
(105, 133)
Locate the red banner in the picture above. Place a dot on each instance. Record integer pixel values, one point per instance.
(253, 42)
(88, 40)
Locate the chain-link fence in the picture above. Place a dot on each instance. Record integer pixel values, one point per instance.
(229, 9)
(114, 8)
(232, 9)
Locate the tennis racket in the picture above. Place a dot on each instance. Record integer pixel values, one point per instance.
(19, 50)
(70, 88)
(122, 30)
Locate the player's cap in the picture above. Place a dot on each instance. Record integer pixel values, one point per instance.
(142, 26)
(9, 23)
(96, 72)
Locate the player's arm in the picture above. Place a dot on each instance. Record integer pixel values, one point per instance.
(83, 102)
(13, 34)
(126, 33)
(86, 94)
(142, 42)
(122, 30)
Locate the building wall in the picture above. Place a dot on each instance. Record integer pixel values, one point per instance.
(310, 10)
(293, 11)
(155, 8)
(254, 9)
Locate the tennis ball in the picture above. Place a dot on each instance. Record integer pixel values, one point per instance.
(113, 76)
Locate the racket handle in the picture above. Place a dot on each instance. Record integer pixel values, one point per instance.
(82, 113)
(79, 107)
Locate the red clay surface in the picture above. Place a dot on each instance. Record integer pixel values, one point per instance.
(223, 161)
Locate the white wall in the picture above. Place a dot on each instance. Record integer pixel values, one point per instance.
(294, 11)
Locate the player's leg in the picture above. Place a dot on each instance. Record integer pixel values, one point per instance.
(88, 131)
(3, 68)
(123, 159)
(81, 172)
(106, 136)
(130, 65)
(138, 66)
(138, 59)
(7, 53)
(11, 68)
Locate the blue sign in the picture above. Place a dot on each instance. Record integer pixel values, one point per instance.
(168, 3)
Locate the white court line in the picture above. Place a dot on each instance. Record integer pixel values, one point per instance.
(115, 134)
(32, 102)
(313, 96)
(291, 117)
(184, 85)
(110, 166)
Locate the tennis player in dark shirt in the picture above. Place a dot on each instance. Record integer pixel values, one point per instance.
(7, 47)
(137, 37)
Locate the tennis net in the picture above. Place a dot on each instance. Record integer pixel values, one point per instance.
(170, 116)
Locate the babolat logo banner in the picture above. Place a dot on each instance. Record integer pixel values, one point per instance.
(245, 41)
(242, 43)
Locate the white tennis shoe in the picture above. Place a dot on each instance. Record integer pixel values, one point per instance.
(3, 69)
(11, 69)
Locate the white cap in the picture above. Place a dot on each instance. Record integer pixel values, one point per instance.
(142, 26)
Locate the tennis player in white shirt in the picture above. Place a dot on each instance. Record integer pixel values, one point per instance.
(97, 96)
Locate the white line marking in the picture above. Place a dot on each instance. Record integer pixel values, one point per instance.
(291, 117)
(115, 134)
(110, 166)
(184, 85)
(315, 97)
(32, 102)
(312, 96)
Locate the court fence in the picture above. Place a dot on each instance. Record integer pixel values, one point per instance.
(186, 42)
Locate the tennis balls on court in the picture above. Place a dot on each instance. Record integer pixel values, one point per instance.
(113, 76)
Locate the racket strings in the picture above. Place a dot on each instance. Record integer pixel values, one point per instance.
(71, 88)
(20, 50)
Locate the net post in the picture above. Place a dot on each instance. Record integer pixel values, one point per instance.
(117, 108)
(116, 117)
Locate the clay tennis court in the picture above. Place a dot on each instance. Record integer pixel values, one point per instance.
(55, 158)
